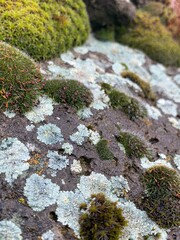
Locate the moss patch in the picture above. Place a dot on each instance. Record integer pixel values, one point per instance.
(121, 101)
(145, 86)
(106, 34)
(134, 146)
(43, 29)
(102, 220)
(70, 92)
(148, 34)
(20, 80)
(162, 198)
(103, 150)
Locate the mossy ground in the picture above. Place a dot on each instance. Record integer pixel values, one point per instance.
(20, 80)
(103, 150)
(134, 145)
(123, 102)
(162, 198)
(102, 220)
(70, 92)
(43, 29)
(145, 86)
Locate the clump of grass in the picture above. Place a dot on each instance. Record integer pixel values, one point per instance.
(134, 145)
(162, 194)
(145, 86)
(70, 92)
(103, 150)
(20, 80)
(123, 102)
(101, 220)
(148, 34)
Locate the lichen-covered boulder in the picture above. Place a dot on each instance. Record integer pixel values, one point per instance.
(104, 13)
(43, 29)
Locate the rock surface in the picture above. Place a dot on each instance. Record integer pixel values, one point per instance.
(74, 171)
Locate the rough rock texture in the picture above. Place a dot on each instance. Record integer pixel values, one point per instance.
(110, 12)
(28, 205)
(139, 2)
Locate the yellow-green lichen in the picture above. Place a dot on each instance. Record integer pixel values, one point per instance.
(43, 29)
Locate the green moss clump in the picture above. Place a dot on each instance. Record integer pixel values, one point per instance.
(106, 34)
(70, 92)
(20, 80)
(102, 220)
(149, 35)
(145, 86)
(43, 29)
(162, 194)
(121, 101)
(134, 146)
(103, 150)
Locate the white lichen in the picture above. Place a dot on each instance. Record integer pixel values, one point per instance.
(49, 235)
(94, 137)
(167, 107)
(76, 167)
(119, 186)
(44, 108)
(177, 161)
(175, 122)
(57, 161)
(40, 192)
(9, 114)
(68, 148)
(13, 158)
(49, 134)
(145, 163)
(152, 111)
(84, 113)
(9, 231)
(79, 136)
(29, 128)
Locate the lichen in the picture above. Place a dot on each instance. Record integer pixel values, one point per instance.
(13, 158)
(177, 161)
(94, 137)
(9, 231)
(79, 136)
(76, 167)
(49, 134)
(40, 192)
(49, 235)
(68, 148)
(57, 161)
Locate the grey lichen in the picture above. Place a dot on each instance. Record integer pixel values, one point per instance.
(13, 158)
(79, 136)
(68, 148)
(49, 235)
(57, 161)
(9, 231)
(40, 192)
(49, 134)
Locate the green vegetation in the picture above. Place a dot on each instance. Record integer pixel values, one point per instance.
(134, 146)
(101, 220)
(44, 28)
(149, 35)
(20, 80)
(103, 150)
(121, 101)
(145, 86)
(105, 34)
(70, 92)
(162, 194)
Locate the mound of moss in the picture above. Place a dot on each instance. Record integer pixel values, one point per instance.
(70, 92)
(20, 80)
(148, 34)
(162, 196)
(145, 86)
(134, 145)
(45, 28)
(123, 102)
(103, 150)
(101, 220)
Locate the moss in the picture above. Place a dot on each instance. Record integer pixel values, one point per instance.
(145, 86)
(162, 194)
(103, 150)
(106, 34)
(20, 80)
(45, 28)
(149, 35)
(123, 102)
(70, 92)
(134, 146)
(102, 220)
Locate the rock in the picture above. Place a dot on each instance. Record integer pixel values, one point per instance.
(139, 2)
(106, 13)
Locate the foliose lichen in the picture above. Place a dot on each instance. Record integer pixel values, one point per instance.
(57, 161)
(9, 231)
(79, 136)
